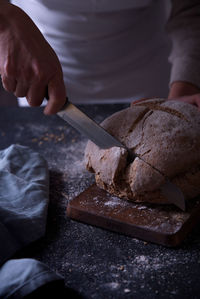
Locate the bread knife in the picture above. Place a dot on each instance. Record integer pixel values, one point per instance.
(81, 122)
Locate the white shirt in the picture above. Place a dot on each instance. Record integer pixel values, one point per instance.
(110, 50)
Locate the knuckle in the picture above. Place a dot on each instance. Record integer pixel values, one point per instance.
(44, 72)
(40, 76)
(9, 69)
(39, 72)
(6, 84)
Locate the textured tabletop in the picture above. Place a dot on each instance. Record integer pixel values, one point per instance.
(95, 262)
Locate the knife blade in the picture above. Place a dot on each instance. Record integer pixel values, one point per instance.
(81, 122)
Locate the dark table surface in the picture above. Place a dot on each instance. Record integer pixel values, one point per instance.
(94, 262)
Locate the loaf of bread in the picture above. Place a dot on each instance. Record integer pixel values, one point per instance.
(166, 135)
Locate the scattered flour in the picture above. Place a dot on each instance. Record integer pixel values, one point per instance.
(72, 160)
(115, 201)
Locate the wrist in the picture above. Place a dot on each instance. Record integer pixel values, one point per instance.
(181, 88)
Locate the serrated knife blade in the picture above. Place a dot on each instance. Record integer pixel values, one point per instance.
(81, 122)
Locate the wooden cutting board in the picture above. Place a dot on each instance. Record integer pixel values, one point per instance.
(161, 224)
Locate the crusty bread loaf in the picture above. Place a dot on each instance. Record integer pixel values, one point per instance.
(165, 134)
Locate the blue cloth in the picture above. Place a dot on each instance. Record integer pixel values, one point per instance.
(18, 278)
(24, 196)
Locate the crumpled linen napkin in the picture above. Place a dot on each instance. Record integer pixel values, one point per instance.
(24, 196)
(21, 277)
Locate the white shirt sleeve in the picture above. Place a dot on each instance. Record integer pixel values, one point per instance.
(184, 29)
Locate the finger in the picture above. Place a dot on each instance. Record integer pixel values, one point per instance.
(36, 94)
(21, 89)
(57, 95)
(9, 83)
(197, 100)
(140, 100)
(191, 99)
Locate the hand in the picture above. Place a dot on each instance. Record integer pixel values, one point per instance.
(28, 65)
(185, 92)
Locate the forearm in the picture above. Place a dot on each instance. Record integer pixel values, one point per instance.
(184, 29)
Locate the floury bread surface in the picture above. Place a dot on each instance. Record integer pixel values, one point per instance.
(165, 134)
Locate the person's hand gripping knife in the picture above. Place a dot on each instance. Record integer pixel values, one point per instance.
(28, 64)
